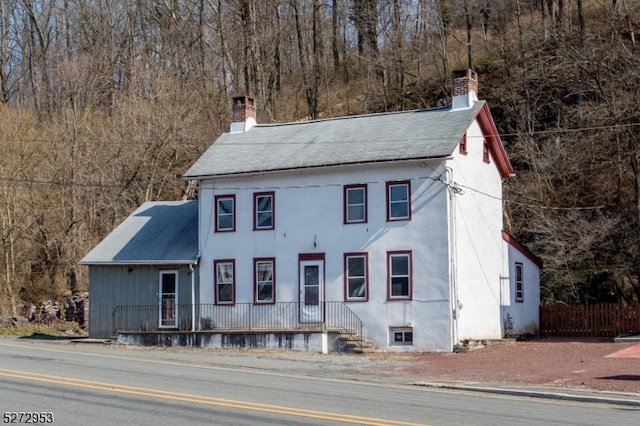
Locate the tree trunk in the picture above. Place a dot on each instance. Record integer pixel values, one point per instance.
(335, 49)
(469, 22)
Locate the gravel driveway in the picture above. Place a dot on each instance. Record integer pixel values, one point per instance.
(559, 363)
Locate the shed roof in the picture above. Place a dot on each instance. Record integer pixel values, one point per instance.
(522, 249)
(156, 233)
(417, 134)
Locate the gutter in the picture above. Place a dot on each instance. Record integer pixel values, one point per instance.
(251, 173)
(193, 292)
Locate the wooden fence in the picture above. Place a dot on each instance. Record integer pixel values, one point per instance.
(601, 320)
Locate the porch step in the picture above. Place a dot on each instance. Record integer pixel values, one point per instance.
(354, 344)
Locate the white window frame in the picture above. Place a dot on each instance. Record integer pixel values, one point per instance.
(258, 282)
(400, 336)
(391, 202)
(232, 214)
(219, 280)
(349, 278)
(168, 317)
(258, 212)
(347, 205)
(391, 275)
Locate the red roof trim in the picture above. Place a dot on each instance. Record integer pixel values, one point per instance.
(488, 127)
(522, 249)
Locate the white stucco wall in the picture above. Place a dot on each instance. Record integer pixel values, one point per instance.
(309, 219)
(308, 210)
(520, 317)
(477, 223)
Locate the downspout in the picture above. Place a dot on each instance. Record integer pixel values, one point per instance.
(193, 293)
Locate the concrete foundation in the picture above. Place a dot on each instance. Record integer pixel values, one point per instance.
(323, 342)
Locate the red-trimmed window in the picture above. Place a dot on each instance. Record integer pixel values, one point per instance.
(356, 277)
(463, 145)
(264, 279)
(264, 210)
(486, 156)
(355, 203)
(398, 200)
(225, 216)
(519, 282)
(225, 282)
(399, 275)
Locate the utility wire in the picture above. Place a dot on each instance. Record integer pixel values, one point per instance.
(542, 206)
(501, 135)
(454, 186)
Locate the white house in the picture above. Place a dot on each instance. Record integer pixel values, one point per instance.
(395, 216)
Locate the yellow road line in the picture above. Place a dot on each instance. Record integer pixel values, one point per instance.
(243, 405)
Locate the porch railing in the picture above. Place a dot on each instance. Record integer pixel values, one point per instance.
(281, 316)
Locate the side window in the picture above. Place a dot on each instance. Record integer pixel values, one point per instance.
(399, 275)
(355, 204)
(486, 157)
(225, 216)
(519, 283)
(225, 284)
(463, 145)
(264, 280)
(263, 207)
(398, 201)
(356, 277)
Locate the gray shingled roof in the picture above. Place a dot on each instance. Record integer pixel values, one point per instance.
(156, 233)
(427, 133)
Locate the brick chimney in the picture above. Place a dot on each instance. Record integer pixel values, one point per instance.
(465, 89)
(244, 114)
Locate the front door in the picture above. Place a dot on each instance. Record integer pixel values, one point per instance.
(168, 299)
(312, 290)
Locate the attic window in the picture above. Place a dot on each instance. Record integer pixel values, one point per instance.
(463, 145)
(485, 152)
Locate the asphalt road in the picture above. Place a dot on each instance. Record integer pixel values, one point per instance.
(105, 385)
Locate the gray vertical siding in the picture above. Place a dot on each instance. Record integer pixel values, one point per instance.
(110, 286)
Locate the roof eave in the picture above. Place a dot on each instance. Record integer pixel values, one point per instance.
(522, 249)
(314, 167)
(138, 262)
(490, 131)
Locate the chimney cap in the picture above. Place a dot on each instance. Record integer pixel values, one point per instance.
(465, 73)
(465, 89)
(243, 113)
(242, 96)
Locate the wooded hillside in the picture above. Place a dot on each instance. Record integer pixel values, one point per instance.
(105, 104)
